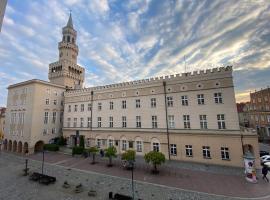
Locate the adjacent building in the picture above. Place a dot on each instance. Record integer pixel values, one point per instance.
(2, 122)
(189, 117)
(243, 113)
(259, 113)
(3, 4)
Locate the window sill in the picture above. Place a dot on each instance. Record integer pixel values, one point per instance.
(189, 156)
(226, 159)
(173, 154)
(207, 157)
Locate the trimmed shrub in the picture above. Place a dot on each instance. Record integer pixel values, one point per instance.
(81, 141)
(77, 150)
(51, 147)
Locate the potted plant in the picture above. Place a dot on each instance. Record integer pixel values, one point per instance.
(93, 151)
(128, 159)
(110, 153)
(156, 158)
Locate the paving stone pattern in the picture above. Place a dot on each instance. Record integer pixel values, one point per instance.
(14, 186)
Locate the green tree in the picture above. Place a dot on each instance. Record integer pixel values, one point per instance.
(81, 141)
(61, 141)
(110, 153)
(129, 158)
(93, 151)
(156, 158)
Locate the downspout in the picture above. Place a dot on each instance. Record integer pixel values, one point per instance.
(91, 125)
(166, 112)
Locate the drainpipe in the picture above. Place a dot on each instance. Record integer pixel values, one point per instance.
(166, 112)
(92, 93)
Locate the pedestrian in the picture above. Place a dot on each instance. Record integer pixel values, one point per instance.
(264, 172)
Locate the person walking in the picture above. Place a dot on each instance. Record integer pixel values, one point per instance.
(264, 172)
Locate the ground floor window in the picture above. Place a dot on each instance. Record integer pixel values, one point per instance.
(110, 142)
(225, 153)
(98, 143)
(206, 152)
(173, 150)
(124, 145)
(139, 146)
(189, 152)
(156, 147)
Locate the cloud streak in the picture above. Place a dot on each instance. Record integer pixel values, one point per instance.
(121, 41)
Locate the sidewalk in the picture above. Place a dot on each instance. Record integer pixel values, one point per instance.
(187, 179)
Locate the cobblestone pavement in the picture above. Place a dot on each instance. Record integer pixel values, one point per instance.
(76, 170)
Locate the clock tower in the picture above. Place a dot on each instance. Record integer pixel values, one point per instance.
(66, 71)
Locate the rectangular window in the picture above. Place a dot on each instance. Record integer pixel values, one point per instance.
(89, 108)
(111, 122)
(124, 121)
(111, 105)
(54, 118)
(99, 106)
(82, 107)
(139, 146)
(75, 108)
(186, 119)
(124, 104)
(221, 121)
(99, 121)
(69, 108)
(138, 103)
(156, 147)
(45, 131)
(68, 122)
(173, 149)
(184, 100)
(82, 121)
(53, 130)
(200, 98)
(110, 142)
(138, 122)
(98, 143)
(124, 145)
(203, 121)
(170, 101)
(206, 152)
(153, 103)
(171, 121)
(225, 153)
(268, 118)
(47, 102)
(61, 117)
(88, 121)
(46, 118)
(218, 97)
(75, 122)
(189, 152)
(154, 121)
(54, 102)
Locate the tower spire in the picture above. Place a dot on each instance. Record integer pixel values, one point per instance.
(70, 23)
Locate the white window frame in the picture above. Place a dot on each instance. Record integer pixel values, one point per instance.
(184, 100)
(111, 105)
(173, 149)
(99, 106)
(46, 117)
(153, 103)
(124, 145)
(200, 98)
(89, 108)
(156, 146)
(206, 152)
(68, 122)
(99, 122)
(89, 121)
(138, 122)
(75, 108)
(170, 101)
(186, 120)
(47, 101)
(221, 121)
(225, 153)
(124, 121)
(203, 121)
(139, 146)
(54, 117)
(75, 122)
(69, 108)
(81, 122)
(171, 121)
(82, 107)
(218, 97)
(137, 103)
(154, 121)
(189, 151)
(124, 104)
(111, 121)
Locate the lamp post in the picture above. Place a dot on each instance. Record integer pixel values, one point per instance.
(42, 162)
(132, 181)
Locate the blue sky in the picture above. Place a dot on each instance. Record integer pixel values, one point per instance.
(121, 40)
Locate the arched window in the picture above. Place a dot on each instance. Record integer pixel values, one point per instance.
(73, 41)
(68, 38)
(155, 144)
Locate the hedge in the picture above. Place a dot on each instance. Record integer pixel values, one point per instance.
(77, 150)
(51, 147)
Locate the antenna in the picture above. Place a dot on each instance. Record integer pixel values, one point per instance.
(185, 64)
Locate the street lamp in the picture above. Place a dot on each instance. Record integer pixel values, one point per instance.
(132, 180)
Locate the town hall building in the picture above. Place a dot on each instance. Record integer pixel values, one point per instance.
(188, 117)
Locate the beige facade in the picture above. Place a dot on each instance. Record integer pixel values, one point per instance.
(28, 103)
(188, 117)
